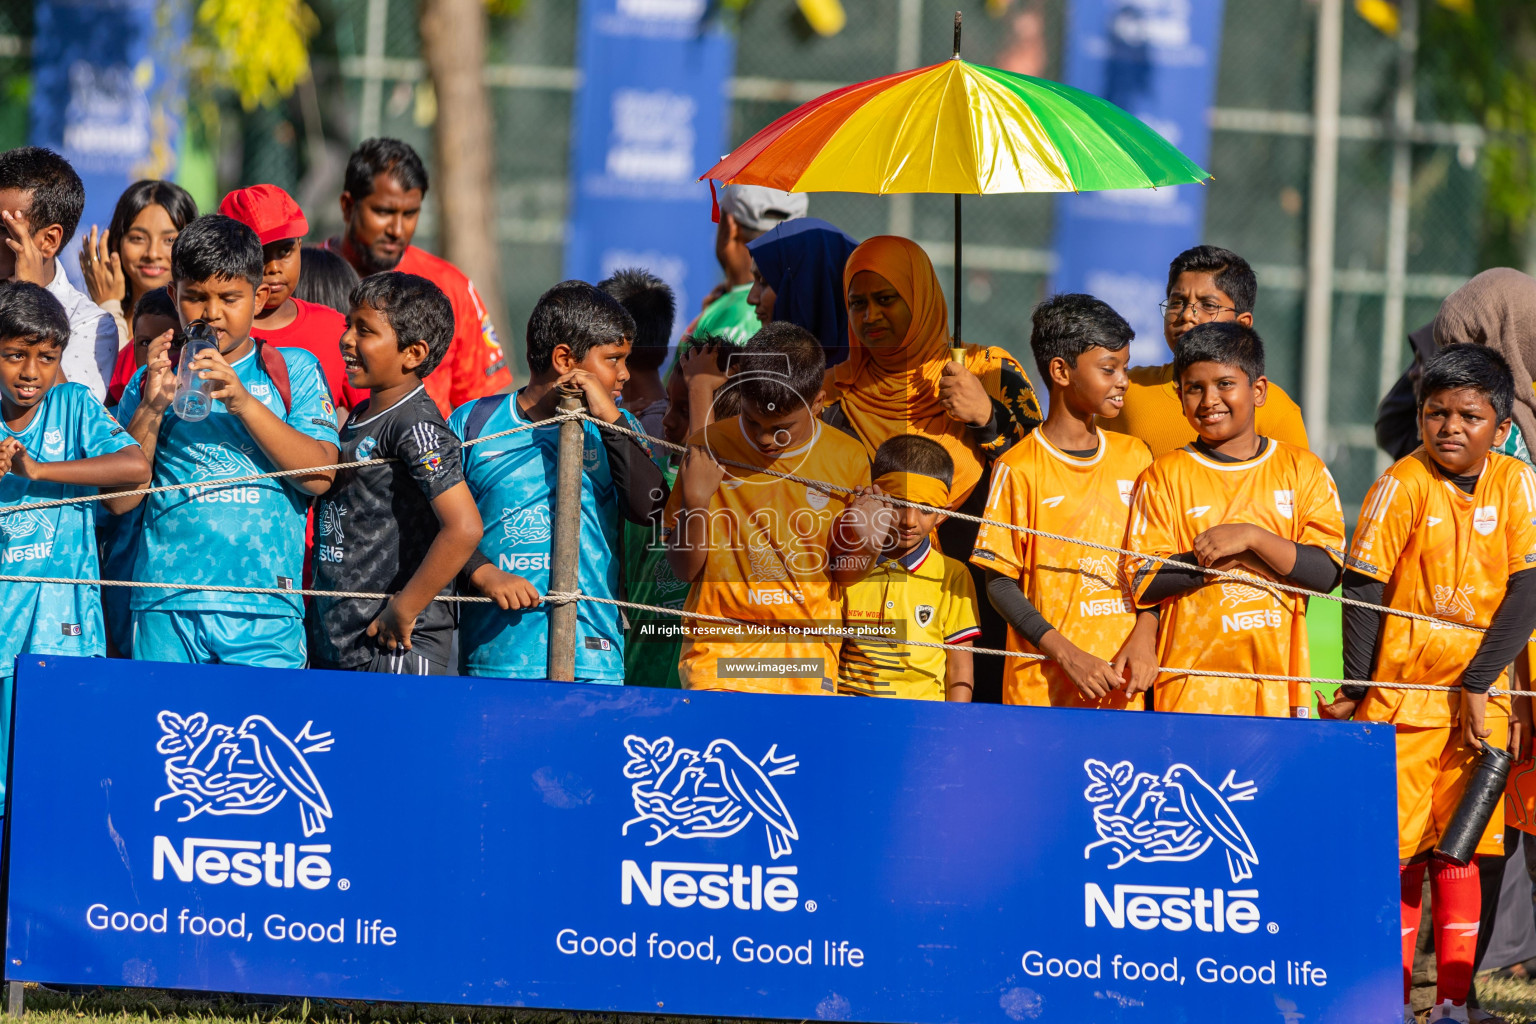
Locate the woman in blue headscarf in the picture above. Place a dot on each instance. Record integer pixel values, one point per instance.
(801, 262)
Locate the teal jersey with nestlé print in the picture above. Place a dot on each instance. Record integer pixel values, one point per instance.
(248, 534)
(513, 481)
(59, 542)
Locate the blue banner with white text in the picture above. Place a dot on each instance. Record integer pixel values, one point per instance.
(1156, 59)
(649, 118)
(638, 850)
(108, 93)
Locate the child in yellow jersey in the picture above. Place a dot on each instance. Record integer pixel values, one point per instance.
(1232, 501)
(1448, 532)
(757, 548)
(914, 592)
(1062, 599)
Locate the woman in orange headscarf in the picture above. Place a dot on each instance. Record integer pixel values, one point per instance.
(901, 377)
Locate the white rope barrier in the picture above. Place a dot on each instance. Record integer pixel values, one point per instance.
(821, 485)
(1238, 577)
(556, 597)
(84, 499)
(757, 629)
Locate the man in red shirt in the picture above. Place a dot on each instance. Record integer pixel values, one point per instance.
(285, 321)
(384, 188)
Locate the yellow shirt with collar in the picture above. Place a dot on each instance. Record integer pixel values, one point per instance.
(924, 595)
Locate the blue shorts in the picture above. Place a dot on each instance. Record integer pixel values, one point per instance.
(219, 638)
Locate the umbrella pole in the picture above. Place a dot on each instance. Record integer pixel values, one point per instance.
(957, 351)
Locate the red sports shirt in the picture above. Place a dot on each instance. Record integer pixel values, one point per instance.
(475, 364)
(317, 330)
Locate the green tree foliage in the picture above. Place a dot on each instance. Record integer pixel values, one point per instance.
(1483, 59)
(261, 47)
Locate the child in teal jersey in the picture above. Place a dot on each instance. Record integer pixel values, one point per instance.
(576, 335)
(271, 411)
(57, 442)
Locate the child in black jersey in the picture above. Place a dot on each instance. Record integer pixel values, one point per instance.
(403, 527)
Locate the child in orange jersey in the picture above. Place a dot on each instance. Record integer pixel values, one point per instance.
(1233, 501)
(759, 548)
(1448, 532)
(1070, 478)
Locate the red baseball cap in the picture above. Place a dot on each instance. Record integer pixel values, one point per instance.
(267, 210)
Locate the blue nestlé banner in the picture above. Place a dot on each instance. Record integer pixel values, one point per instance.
(649, 118)
(1157, 59)
(636, 850)
(107, 93)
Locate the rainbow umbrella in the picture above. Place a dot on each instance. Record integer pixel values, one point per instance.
(957, 127)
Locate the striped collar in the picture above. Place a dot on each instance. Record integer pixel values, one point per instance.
(912, 560)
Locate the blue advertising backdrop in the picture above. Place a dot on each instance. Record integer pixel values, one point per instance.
(627, 849)
(649, 117)
(1157, 60)
(107, 93)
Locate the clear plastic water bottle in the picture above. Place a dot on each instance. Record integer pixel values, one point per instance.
(192, 401)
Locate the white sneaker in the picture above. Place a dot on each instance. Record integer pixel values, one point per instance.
(1449, 1011)
(1408, 1017)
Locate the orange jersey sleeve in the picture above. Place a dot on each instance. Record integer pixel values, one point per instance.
(1079, 590)
(1226, 625)
(767, 540)
(1448, 555)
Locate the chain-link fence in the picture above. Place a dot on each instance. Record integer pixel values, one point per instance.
(370, 80)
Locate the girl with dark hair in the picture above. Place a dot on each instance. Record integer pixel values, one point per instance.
(133, 256)
(325, 279)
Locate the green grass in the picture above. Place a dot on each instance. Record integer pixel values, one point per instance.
(153, 1006)
(1325, 643)
(1513, 1000)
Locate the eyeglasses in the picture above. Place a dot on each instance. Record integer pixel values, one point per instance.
(1205, 309)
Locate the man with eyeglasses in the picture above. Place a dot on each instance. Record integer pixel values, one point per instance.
(1204, 283)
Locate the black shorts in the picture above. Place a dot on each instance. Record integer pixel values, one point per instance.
(429, 656)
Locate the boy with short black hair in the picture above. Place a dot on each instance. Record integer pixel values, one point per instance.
(1070, 478)
(1206, 284)
(41, 199)
(270, 411)
(1234, 500)
(1447, 532)
(285, 320)
(577, 336)
(154, 313)
(914, 592)
(649, 300)
(406, 527)
(57, 442)
(760, 548)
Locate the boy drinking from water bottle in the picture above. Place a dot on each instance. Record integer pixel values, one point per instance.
(1448, 532)
(271, 411)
